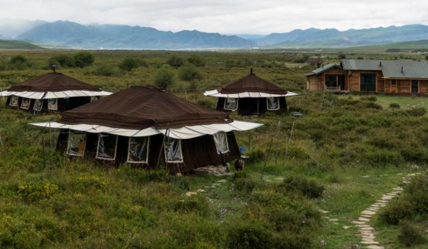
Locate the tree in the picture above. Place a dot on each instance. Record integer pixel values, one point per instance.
(83, 59)
(131, 63)
(189, 73)
(18, 62)
(62, 60)
(175, 61)
(341, 56)
(18, 59)
(164, 78)
(196, 60)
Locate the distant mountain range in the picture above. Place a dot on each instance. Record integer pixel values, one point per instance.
(75, 35)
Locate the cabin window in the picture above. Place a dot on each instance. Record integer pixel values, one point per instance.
(173, 151)
(76, 143)
(53, 104)
(230, 104)
(14, 101)
(25, 104)
(221, 144)
(38, 105)
(138, 150)
(94, 98)
(273, 104)
(107, 145)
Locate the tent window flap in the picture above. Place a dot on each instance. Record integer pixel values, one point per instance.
(14, 101)
(38, 105)
(53, 104)
(221, 144)
(273, 104)
(25, 105)
(173, 151)
(76, 143)
(138, 150)
(230, 104)
(107, 145)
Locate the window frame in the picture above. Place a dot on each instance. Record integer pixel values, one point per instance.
(68, 144)
(181, 152)
(98, 148)
(41, 106)
(17, 101)
(147, 153)
(225, 102)
(226, 140)
(56, 105)
(22, 103)
(267, 104)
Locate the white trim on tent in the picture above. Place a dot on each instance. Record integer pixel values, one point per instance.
(54, 95)
(215, 93)
(187, 132)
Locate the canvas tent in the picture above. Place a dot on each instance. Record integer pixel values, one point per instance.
(143, 124)
(51, 92)
(251, 95)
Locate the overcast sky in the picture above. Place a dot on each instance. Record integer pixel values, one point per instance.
(225, 16)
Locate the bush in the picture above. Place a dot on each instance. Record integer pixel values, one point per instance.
(394, 106)
(18, 62)
(411, 235)
(189, 73)
(175, 61)
(62, 60)
(341, 56)
(18, 59)
(164, 78)
(417, 112)
(256, 156)
(395, 212)
(370, 98)
(131, 63)
(196, 60)
(246, 185)
(299, 184)
(83, 59)
(32, 192)
(104, 70)
(249, 235)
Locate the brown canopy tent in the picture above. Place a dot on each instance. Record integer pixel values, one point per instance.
(141, 125)
(52, 92)
(251, 95)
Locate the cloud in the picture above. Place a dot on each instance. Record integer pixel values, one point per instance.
(224, 16)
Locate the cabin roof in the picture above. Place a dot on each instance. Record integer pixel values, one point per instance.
(323, 69)
(390, 68)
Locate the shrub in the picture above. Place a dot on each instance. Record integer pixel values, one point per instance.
(410, 234)
(206, 102)
(189, 73)
(370, 98)
(164, 78)
(246, 185)
(196, 60)
(341, 56)
(395, 212)
(417, 194)
(197, 205)
(412, 154)
(175, 61)
(83, 59)
(249, 235)
(104, 70)
(302, 185)
(31, 192)
(131, 63)
(383, 157)
(256, 156)
(18, 62)
(62, 60)
(394, 106)
(417, 112)
(18, 59)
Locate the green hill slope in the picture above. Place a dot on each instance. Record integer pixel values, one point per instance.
(7, 44)
(415, 46)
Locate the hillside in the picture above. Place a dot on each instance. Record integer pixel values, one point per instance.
(330, 38)
(7, 44)
(72, 34)
(411, 46)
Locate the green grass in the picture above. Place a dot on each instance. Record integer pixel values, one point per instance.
(357, 149)
(6, 44)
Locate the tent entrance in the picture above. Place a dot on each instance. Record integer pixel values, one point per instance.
(249, 106)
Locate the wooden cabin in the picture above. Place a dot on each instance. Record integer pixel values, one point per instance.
(371, 76)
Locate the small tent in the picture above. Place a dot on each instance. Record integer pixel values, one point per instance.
(149, 127)
(51, 92)
(251, 95)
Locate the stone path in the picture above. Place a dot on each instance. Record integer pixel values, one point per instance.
(207, 188)
(367, 232)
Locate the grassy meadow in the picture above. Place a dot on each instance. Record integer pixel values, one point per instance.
(303, 192)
